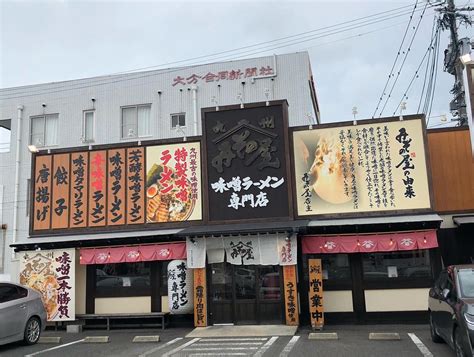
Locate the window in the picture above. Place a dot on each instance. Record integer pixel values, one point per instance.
(88, 126)
(466, 282)
(44, 130)
(5, 135)
(10, 292)
(413, 264)
(136, 121)
(123, 279)
(178, 120)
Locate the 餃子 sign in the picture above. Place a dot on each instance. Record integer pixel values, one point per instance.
(246, 162)
(370, 167)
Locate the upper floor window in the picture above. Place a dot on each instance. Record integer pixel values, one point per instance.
(44, 130)
(178, 120)
(136, 121)
(88, 126)
(5, 135)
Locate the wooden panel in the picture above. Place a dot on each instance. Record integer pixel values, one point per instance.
(452, 170)
(316, 309)
(136, 186)
(79, 189)
(116, 187)
(200, 297)
(60, 188)
(42, 193)
(291, 295)
(97, 188)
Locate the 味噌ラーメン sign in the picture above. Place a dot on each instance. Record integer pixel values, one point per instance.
(116, 186)
(369, 167)
(246, 162)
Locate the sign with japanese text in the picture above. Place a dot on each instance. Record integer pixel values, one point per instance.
(380, 166)
(200, 297)
(246, 162)
(291, 295)
(60, 188)
(79, 189)
(97, 188)
(116, 187)
(135, 185)
(316, 306)
(173, 183)
(42, 193)
(52, 274)
(180, 287)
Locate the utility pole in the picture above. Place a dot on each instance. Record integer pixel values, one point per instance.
(452, 61)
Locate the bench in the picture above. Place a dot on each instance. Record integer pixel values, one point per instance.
(163, 316)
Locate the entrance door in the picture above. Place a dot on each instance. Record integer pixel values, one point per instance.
(245, 294)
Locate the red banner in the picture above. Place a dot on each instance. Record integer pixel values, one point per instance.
(367, 243)
(133, 254)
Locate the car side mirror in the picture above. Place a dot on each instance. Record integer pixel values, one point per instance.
(446, 293)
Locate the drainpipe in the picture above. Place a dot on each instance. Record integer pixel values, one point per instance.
(194, 89)
(17, 177)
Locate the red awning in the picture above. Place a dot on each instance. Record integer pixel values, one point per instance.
(367, 243)
(133, 254)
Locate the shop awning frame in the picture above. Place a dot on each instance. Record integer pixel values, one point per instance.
(431, 217)
(463, 220)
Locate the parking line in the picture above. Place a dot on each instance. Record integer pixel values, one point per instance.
(54, 348)
(160, 347)
(289, 346)
(265, 347)
(183, 346)
(423, 349)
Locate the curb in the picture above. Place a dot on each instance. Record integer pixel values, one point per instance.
(49, 340)
(153, 338)
(96, 339)
(323, 336)
(384, 336)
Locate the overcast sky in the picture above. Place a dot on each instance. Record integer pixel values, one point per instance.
(46, 41)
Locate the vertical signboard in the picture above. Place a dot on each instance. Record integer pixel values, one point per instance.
(116, 187)
(200, 297)
(173, 187)
(60, 187)
(291, 295)
(97, 188)
(135, 186)
(316, 309)
(52, 274)
(42, 193)
(246, 162)
(469, 96)
(79, 189)
(369, 167)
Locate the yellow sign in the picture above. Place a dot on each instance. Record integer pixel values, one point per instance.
(291, 295)
(200, 298)
(373, 167)
(316, 306)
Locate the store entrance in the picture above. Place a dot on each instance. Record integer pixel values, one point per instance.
(245, 294)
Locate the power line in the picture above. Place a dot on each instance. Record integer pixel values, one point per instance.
(426, 69)
(403, 62)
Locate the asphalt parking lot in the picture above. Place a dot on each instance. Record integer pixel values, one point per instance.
(352, 341)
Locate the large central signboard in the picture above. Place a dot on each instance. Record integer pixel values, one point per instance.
(246, 151)
(116, 188)
(374, 166)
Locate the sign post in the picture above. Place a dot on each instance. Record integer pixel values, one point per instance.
(316, 306)
(291, 295)
(200, 298)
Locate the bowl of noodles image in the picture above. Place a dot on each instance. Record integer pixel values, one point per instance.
(163, 204)
(47, 285)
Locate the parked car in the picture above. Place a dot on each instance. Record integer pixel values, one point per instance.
(22, 314)
(451, 308)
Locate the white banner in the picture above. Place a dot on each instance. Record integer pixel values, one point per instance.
(180, 288)
(52, 274)
(196, 252)
(287, 249)
(268, 249)
(215, 250)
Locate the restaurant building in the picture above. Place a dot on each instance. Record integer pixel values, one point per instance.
(218, 197)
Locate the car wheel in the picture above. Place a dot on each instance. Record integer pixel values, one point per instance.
(32, 331)
(458, 343)
(434, 336)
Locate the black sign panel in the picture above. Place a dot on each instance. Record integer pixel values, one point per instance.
(246, 162)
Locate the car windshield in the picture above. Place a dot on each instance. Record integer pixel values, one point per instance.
(466, 282)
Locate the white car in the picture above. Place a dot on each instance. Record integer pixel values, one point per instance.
(22, 314)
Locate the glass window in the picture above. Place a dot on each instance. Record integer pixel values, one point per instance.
(244, 282)
(5, 135)
(466, 282)
(221, 281)
(10, 292)
(88, 126)
(136, 121)
(336, 267)
(164, 278)
(269, 282)
(413, 264)
(44, 130)
(127, 279)
(178, 119)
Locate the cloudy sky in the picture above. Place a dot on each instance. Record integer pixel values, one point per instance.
(47, 41)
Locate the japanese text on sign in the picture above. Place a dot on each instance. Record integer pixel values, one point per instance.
(316, 308)
(223, 75)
